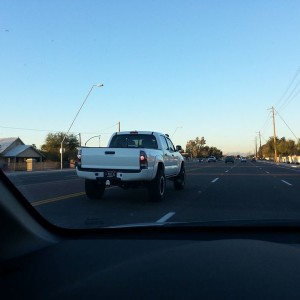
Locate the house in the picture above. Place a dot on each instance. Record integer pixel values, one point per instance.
(13, 151)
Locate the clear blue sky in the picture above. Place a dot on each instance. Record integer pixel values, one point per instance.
(200, 68)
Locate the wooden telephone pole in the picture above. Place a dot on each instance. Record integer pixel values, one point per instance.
(274, 134)
(260, 149)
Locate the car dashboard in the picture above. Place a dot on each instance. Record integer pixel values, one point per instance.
(42, 261)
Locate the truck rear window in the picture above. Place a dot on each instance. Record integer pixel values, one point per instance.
(134, 141)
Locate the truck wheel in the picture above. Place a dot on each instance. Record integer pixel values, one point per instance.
(94, 189)
(179, 181)
(158, 186)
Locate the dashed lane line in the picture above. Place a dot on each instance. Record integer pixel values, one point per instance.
(286, 182)
(166, 217)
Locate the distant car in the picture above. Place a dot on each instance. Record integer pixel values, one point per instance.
(211, 159)
(243, 159)
(229, 159)
(253, 159)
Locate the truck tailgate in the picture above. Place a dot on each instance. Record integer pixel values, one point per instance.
(110, 158)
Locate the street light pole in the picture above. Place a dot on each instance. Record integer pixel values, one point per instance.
(61, 144)
(92, 138)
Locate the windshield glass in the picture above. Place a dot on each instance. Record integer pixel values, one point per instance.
(134, 140)
(217, 83)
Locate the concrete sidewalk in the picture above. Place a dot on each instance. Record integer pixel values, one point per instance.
(15, 173)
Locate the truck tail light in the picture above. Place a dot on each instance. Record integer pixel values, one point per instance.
(79, 158)
(143, 160)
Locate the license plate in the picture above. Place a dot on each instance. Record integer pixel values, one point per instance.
(110, 173)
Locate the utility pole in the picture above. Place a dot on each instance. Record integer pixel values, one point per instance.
(260, 149)
(274, 135)
(119, 126)
(256, 146)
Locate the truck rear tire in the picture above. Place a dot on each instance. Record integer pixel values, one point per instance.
(158, 186)
(179, 181)
(94, 189)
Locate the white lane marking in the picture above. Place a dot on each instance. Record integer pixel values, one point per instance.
(286, 182)
(267, 172)
(216, 179)
(288, 168)
(166, 217)
(226, 171)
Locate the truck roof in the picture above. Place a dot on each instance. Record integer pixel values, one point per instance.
(139, 132)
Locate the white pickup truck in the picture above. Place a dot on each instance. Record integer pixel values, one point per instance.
(132, 159)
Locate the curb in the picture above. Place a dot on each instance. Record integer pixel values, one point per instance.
(289, 166)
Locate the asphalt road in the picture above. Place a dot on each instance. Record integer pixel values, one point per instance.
(214, 191)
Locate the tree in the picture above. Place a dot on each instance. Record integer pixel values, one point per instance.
(298, 147)
(204, 152)
(201, 142)
(196, 148)
(268, 148)
(284, 147)
(213, 151)
(192, 148)
(51, 148)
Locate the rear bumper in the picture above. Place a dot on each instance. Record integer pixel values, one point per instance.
(121, 175)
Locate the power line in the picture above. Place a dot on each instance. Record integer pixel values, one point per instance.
(292, 91)
(110, 127)
(20, 128)
(287, 125)
(48, 130)
(263, 137)
(266, 122)
(290, 100)
(289, 86)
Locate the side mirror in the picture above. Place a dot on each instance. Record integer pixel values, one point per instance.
(178, 148)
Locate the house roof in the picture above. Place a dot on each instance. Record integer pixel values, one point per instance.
(14, 147)
(16, 151)
(6, 142)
